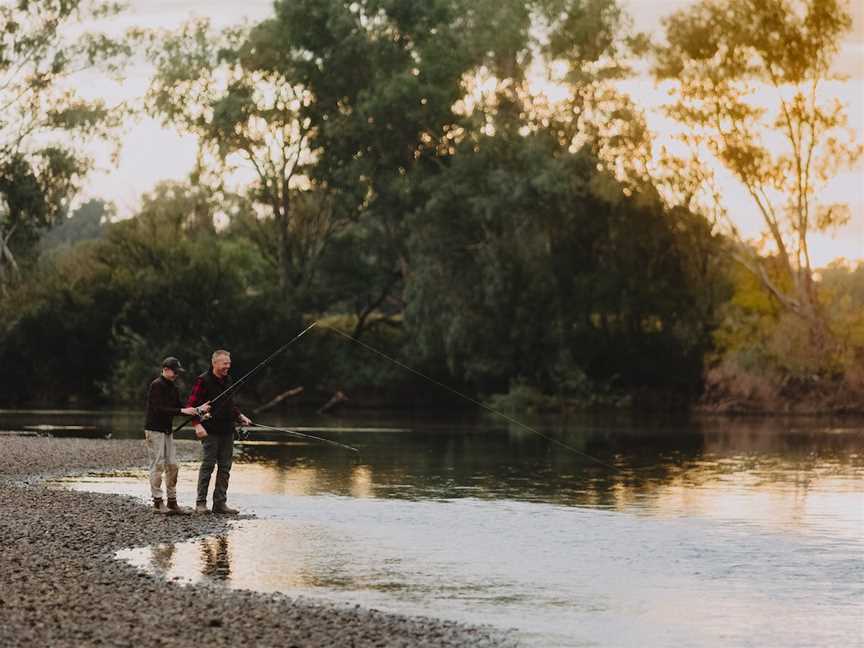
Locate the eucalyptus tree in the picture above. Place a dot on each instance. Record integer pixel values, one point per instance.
(212, 85)
(749, 80)
(86, 223)
(395, 87)
(383, 77)
(44, 121)
(472, 207)
(532, 265)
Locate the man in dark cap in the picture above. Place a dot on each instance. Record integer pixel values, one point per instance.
(163, 404)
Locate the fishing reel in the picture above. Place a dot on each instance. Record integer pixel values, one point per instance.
(241, 433)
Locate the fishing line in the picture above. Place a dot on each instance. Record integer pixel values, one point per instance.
(471, 400)
(300, 434)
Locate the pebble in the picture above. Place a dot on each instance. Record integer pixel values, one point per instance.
(61, 586)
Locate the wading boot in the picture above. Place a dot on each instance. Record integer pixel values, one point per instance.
(176, 509)
(159, 505)
(224, 509)
(201, 507)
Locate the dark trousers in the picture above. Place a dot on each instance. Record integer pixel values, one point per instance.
(218, 451)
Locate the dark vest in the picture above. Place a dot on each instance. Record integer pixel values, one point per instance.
(223, 413)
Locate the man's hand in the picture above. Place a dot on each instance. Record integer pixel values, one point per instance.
(245, 421)
(200, 432)
(200, 411)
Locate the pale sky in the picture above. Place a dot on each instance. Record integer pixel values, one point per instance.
(151, 153)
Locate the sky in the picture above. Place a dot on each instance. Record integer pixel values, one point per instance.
(152, 153)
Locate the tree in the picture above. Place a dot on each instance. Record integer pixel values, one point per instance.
(747, 77)
(214, 86)
(84, 224)
(371, 124)
(528, 268)
(44, 123)
(378, 130)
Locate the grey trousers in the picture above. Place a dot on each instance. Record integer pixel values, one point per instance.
(219, 452)
(163, 458)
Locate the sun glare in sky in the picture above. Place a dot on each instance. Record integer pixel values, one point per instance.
(152, 153)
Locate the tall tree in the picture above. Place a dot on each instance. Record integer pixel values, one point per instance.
(395, 87)
(244, 114)
(527, 267)
(44, 123)
(84, 224)
(383, 77)
(748, 78)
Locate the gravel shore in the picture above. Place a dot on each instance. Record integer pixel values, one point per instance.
(61, 586)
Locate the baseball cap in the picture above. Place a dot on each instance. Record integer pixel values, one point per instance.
(173, 363)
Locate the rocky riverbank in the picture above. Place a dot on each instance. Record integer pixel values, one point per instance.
(61, 586)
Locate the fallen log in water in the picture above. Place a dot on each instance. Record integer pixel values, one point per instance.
(294, 391)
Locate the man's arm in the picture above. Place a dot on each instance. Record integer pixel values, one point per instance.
(196, 396)
(240, 417)
(196, 400)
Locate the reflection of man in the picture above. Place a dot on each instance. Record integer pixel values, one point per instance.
(162, 557)
(215, 558)
(216, 432)
(163, 404)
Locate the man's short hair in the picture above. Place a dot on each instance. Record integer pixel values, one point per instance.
(219, 352)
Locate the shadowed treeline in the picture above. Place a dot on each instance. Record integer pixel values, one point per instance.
(410, 181)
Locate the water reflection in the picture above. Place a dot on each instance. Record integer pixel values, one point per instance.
(162, 558)
(512, 463)
(216, 557)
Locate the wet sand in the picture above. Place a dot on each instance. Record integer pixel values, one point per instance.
(61, 586)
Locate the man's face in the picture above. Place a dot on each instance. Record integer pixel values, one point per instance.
(221, 365)
(169, 374)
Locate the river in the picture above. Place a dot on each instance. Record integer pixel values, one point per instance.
(689, 532)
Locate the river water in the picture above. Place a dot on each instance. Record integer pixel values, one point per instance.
(711, 532)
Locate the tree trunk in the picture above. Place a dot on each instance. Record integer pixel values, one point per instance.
(285, 261)
(8, 265)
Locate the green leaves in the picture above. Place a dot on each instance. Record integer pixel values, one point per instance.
(747, 81)
(530, 263)
(38, 58)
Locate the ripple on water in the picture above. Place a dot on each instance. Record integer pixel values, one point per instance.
(715, 538)
(562, 575)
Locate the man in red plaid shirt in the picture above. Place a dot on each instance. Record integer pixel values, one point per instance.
(216, 432)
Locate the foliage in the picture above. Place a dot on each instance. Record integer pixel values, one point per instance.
(377, 133)
(764, 358)
(158, 284)
(212, 85)
(523, 398)
(783, 146)
(84, 224)
(404, 179)
(527, 268)
(64, 300)
(45, 124)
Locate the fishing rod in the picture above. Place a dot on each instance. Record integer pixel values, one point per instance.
(301, 435)
(471, 400)
(236, 385)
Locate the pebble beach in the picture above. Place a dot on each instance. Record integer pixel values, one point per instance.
(60, 584)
